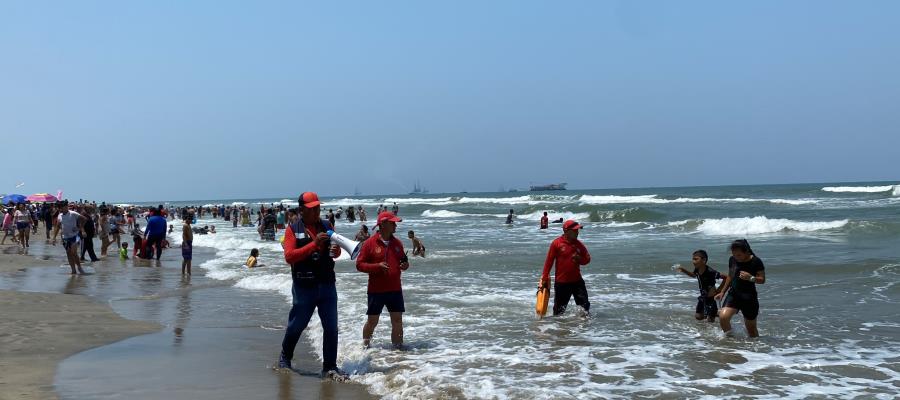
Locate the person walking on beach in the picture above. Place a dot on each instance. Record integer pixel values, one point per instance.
(103, 224)
(187, 245)
(72, 225)
(23, 224)
(8, 225)
(569, 254)
(706, 279)
(90, 229)
(745, 271)
(383, 258)
(310, 253)
(116, 227)
(47, 215)
(156, 231)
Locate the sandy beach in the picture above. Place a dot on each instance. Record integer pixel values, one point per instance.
(38, 330)
(59, 335)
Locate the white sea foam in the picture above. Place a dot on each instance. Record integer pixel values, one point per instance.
(442, 214)
(896, 191)
(654, 199)
(463, 326)
(760, 225)
(858, 189)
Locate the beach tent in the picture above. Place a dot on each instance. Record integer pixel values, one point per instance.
(13, 198)
(42, 198)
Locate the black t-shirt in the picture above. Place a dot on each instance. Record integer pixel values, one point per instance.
(269, 221)
(738, 285)
(706, 280)
(89, 230)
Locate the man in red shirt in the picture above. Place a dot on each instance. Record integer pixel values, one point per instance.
(569, 254)
(310, 253)
(383, 258)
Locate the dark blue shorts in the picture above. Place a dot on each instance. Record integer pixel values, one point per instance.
(68, 242)
(392, 300)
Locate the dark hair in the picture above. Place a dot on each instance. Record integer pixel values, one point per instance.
(412, 233)
(742, 245)
(254, 253)
(702, 254)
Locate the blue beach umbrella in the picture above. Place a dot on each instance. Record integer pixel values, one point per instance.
(13, 198)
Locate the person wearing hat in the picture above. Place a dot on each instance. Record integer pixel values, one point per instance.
(569, 254)
(309, 251)
(383, 258)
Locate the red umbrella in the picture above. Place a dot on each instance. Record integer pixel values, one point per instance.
(41, 198)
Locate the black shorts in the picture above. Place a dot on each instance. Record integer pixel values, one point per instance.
(567, 290)
(747, 304)
(393, 301)
(706, 306)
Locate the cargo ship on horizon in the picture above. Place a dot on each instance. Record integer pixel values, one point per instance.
(552, 186)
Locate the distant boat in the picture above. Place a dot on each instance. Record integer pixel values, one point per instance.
(552, 186)
(418, 188)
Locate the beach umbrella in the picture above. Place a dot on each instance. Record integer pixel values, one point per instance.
(13, 198)
(42, 198)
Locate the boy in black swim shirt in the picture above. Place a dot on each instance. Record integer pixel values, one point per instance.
(706, 281)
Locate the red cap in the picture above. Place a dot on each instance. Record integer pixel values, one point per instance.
(388, 216)
(571, 224)
(309, 199)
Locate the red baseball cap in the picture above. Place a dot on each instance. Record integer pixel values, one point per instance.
(571, 224)
(388, 216)
(309, 199)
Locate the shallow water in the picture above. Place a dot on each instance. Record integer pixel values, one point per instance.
(829, 311)
(829, 314)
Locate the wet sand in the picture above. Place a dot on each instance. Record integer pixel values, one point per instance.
(179, 341)
(38, 330)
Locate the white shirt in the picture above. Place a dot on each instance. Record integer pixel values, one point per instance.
(68, 224)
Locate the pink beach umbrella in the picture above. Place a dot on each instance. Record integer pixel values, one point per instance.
(41, 198)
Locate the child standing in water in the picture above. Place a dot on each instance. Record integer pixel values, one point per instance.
(706, 280)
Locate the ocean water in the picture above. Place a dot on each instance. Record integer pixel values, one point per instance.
(829, 320)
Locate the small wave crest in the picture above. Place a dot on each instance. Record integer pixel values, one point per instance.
(654, 199)
(760, 225)
(860, 189)
(442, 214)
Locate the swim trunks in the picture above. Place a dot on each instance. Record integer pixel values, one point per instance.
(393, 301)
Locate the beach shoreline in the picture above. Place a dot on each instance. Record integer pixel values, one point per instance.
(53, 319)
(40, 330)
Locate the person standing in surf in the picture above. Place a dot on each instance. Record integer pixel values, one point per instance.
(310, 253)
(745, 271)
(545, 221)
(569, 254)
(383, 258)
(706, 279)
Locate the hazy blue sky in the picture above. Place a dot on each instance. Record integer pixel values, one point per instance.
(128, 100)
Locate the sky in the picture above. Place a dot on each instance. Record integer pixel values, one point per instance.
(173, 100)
